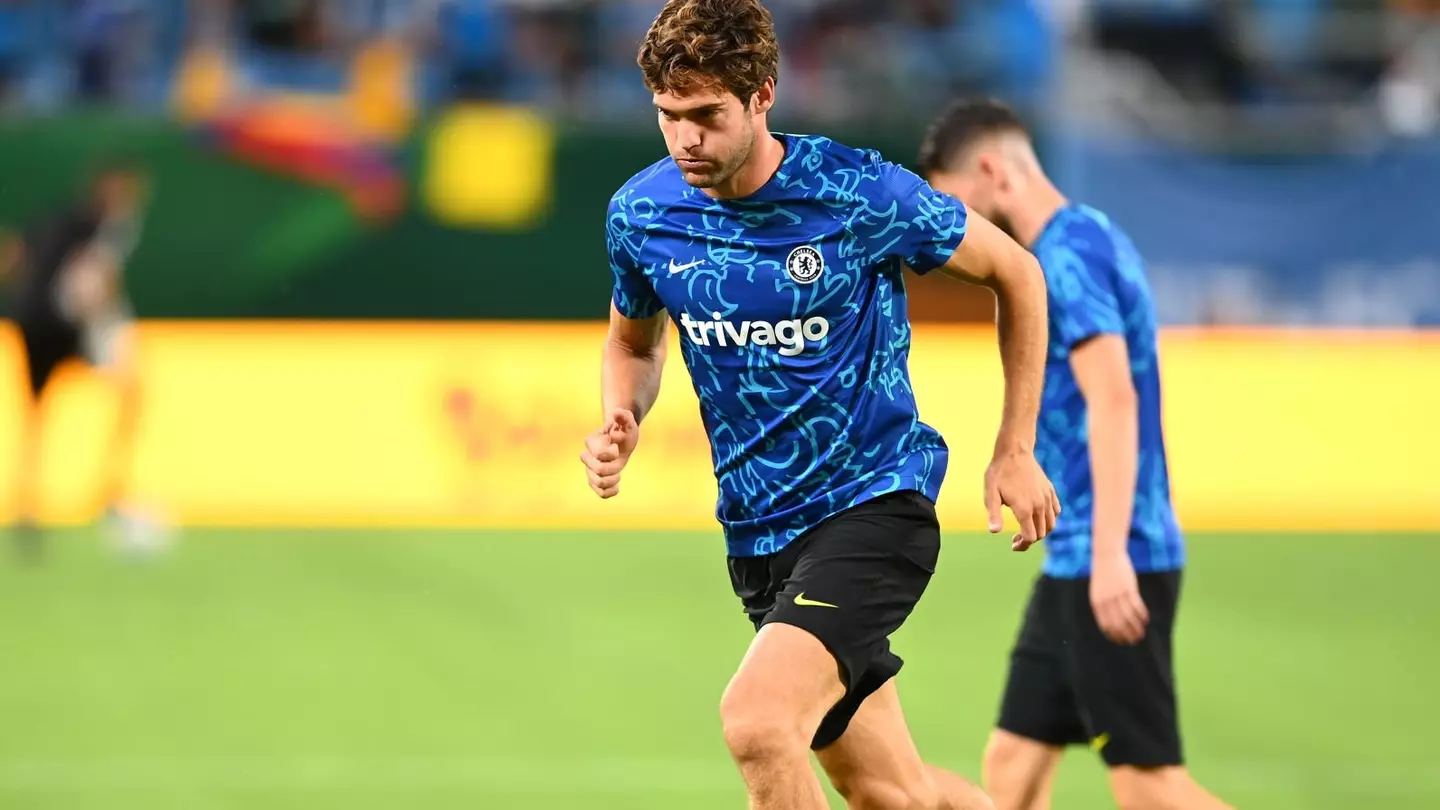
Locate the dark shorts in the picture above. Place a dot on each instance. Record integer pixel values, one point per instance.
(47, 345)
(850, 582)
(1069, 684)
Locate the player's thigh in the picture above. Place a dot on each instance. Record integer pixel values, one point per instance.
(1019, 773)
(47, 347)
(782, 689)
(875, 762)
(855, 583)
(1127, 692)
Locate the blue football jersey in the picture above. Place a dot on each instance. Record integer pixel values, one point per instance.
(1097, 286)
(790, 307)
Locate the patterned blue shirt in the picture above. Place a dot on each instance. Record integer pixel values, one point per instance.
(1097, 286)
(791, 310)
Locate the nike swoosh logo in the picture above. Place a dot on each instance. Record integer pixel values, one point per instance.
(680, 268)
(803, 602)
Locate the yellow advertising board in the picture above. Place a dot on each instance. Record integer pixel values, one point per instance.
(366, 424)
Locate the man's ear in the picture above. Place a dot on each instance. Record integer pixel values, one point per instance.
(764, 98)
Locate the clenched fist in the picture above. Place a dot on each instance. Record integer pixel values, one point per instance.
(607, 451)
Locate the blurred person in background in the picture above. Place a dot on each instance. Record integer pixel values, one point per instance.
(67, 274)
(780, 258)
(1093, 661)
(1410, 90)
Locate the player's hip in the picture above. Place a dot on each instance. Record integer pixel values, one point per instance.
(757, 525)
(1059, 621)
(878, 555)
(1152, 548)
(850, 582)
(1068, 683)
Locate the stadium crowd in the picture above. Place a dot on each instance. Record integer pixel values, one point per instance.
(845, 59)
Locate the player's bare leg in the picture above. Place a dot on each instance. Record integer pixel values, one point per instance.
(114, 352)
(770, 712)
(875, 765)
(122, 374)
(1167, 788)
(1019, 773)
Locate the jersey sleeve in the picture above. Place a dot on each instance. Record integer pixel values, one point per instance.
(912, 221)
(1083, 303)
(633, 294)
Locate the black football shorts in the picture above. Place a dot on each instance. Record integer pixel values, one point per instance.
(47, 344)
(851, 582)
(1069, 684)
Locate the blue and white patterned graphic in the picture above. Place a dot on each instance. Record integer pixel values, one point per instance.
(1097, 286)
(802, 378)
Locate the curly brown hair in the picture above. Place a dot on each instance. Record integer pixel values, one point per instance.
(710, 44)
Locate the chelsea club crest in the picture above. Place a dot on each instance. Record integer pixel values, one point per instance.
(805, 264)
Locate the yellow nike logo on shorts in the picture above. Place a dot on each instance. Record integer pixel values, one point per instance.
(803, 602)
(1099, 743)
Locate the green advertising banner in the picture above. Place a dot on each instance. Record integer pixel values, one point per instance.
(502, 217)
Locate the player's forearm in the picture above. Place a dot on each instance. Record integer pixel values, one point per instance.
(1021, 319)
(1114, 466)
(630, 377)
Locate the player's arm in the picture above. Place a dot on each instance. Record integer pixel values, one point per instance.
(941, 234)
(990, 258)
(633, 361)
(635, 344)
(630, 368)
(1102, 370)
(1088, 323)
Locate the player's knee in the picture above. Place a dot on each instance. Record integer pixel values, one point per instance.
(754, 731)
(883, 794)
(1149, 788)
(1004, 760)
(1016, 770)
(754, 739)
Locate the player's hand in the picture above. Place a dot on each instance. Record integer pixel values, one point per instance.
(608, 449)
(1115, 597)
(1016, 480)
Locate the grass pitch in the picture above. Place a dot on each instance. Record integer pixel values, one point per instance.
(355, 670)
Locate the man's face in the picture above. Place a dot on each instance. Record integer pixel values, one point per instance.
(709, 134)
(982, 185)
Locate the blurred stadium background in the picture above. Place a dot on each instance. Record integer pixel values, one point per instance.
(371, 285)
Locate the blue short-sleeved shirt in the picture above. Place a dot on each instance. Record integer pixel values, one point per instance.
(791, 310)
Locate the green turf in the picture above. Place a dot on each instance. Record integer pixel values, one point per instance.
(363, 670)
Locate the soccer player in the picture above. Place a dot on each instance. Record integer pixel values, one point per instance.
(780, 257)
(69, 302)
(1093, 658)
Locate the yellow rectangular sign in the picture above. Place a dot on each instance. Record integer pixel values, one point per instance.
(365, 424)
